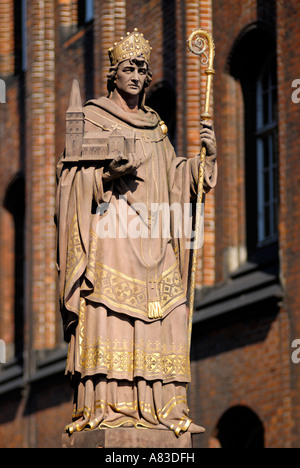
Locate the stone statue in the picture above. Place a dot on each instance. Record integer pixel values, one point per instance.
(123, 261)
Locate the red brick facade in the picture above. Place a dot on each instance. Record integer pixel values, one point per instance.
(247, 306)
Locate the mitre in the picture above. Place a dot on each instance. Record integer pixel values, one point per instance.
(133, 45)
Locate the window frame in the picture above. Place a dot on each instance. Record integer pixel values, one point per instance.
(267, 132)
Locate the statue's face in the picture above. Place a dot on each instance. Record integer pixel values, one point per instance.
(130, 77)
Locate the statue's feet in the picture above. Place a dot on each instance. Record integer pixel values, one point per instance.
(77, 426)
(194, 429)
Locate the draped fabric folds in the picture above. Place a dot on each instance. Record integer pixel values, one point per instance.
(130, 372)
(128, 367)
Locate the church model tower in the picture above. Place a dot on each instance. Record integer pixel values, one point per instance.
(74, 124)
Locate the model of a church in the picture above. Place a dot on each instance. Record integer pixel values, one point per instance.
(81, 146)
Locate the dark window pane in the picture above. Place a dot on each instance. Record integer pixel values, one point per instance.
(266, 152)
(275, 148)
(267, 222)
(273, 74)
(265, 81)
(265, 108)
(275, 183)
(274, 105)
(275, 217)
(266, 186)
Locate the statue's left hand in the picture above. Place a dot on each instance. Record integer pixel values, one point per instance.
(208, 138)
(120, 167)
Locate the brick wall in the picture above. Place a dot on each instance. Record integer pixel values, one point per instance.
(230, 18)
(7, 279)
(7, 61)
(40, 172)
(36, 418)
(68, 13)
(109, 25)
(11, 165)
(244, 364)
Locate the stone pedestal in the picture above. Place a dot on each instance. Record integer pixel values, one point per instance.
(129, 438)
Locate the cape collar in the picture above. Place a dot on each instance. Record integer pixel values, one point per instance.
(145, 118)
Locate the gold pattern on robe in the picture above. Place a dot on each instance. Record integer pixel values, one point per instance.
(117, 359)
(135, 406)
(75, 255)
(152, 360)
(114, 288)
(119, 290)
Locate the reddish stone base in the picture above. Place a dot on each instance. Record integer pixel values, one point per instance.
(128, 438)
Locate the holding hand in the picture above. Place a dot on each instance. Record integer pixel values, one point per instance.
(208, 138)
(120, 167)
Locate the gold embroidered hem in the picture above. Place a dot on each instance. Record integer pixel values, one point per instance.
(123, 348)
(101, 403)
(116, 358)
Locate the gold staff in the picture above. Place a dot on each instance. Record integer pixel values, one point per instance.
(201, 43)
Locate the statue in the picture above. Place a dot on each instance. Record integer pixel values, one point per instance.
(123, 262)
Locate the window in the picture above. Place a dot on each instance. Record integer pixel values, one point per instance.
(252, 62)
(89, 10)
(20, 8)
(267, 155)
(85, 11)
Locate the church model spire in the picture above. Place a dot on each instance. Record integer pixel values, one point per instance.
(74, 123)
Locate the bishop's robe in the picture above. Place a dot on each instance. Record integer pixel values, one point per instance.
(129, 362)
